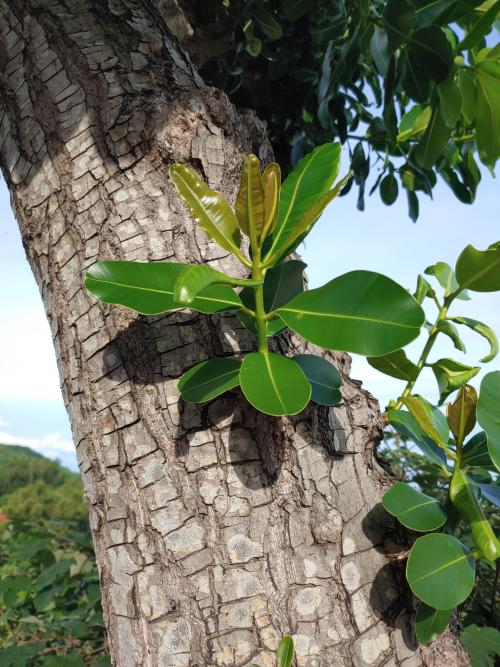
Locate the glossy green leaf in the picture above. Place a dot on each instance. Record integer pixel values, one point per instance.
(483, 330)
(480, 28)
(482, 645)
(209, 379)
(424, 288)
(197, 277)
(405, 424)
(488, 413)
(429, 419)
(446, 278)
(360, 311)
(450, 330)
(464, 498)
(479, 270)
(389, 189)
(450, 102)
(451, 375)
(250, 200)
(396, 364)
(149, 288)
(274, 384)
(209, 208)
(413, 509)
(433, 143)
(323, 377)
(462, 413)
(440, 571)
(285, 652)
(271, 182)
(475, 452)
(487, 110)
(467, 85)
(429, 622)
(414, 122)
(309, 182)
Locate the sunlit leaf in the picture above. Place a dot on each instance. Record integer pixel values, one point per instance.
(433, 143)
(450, 330)
(285, 652)
(483, 330)
(360, 311)
(197, 277)
(464, 498)
(250, 200)
(209, 208)
(274, 384)
(429, 419)
(440, 571)
(413, 509)
(479, 270)
(451, 375)
(488, 413)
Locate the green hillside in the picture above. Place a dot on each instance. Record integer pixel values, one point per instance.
(34, 487)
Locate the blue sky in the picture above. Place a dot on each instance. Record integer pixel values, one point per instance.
(381, 239)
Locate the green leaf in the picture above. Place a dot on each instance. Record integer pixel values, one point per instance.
(487, 110)
(360, 311)
(149, 288)
(308, 183)
(429, 622)
(413, 207)
(482, 645)
(197, 277)
(450, 330)
(446, 278)
(433, 143)
(429, 57)
(414, 122)
(271, 182)
(274, 326)
(488, 413)
(482, 26)
(462, 413)
(440, 571)
(464, 498)
(267, 23)
(209, 208)
(491, 492)
(323, 377)
(405, 424)
(451, 375)
(285, 652)
(475, 452)
(209, 379)
(467, 85)
(483, 330)
(389, 189)
(274, 384)
(378, 48)
(413, 509)
(399, 18)
(429, 419)
(479, 270)
(396, 364)
(250, 200)
(424, 288)
(450, 102)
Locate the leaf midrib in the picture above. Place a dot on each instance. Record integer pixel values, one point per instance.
(346, 317)
(439, 569)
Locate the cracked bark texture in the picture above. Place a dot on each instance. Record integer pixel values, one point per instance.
(216, 529)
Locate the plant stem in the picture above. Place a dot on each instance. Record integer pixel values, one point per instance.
(427, 348)
(260, 313)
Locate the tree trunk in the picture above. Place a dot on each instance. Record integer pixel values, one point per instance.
(216, 529)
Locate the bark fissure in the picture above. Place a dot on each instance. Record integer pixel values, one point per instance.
(216, 529)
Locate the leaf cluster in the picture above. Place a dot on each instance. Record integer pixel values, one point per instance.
(411, 86)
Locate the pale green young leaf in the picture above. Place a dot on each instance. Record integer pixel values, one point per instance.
(451, 375)
(250, 209)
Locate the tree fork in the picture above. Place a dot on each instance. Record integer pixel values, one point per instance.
(216, 529)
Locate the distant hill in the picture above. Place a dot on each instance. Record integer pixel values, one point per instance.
(32, 486)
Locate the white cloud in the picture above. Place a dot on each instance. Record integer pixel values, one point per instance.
(53, 445)
(28, 370)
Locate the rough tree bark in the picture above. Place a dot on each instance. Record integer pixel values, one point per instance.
(216, 529)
